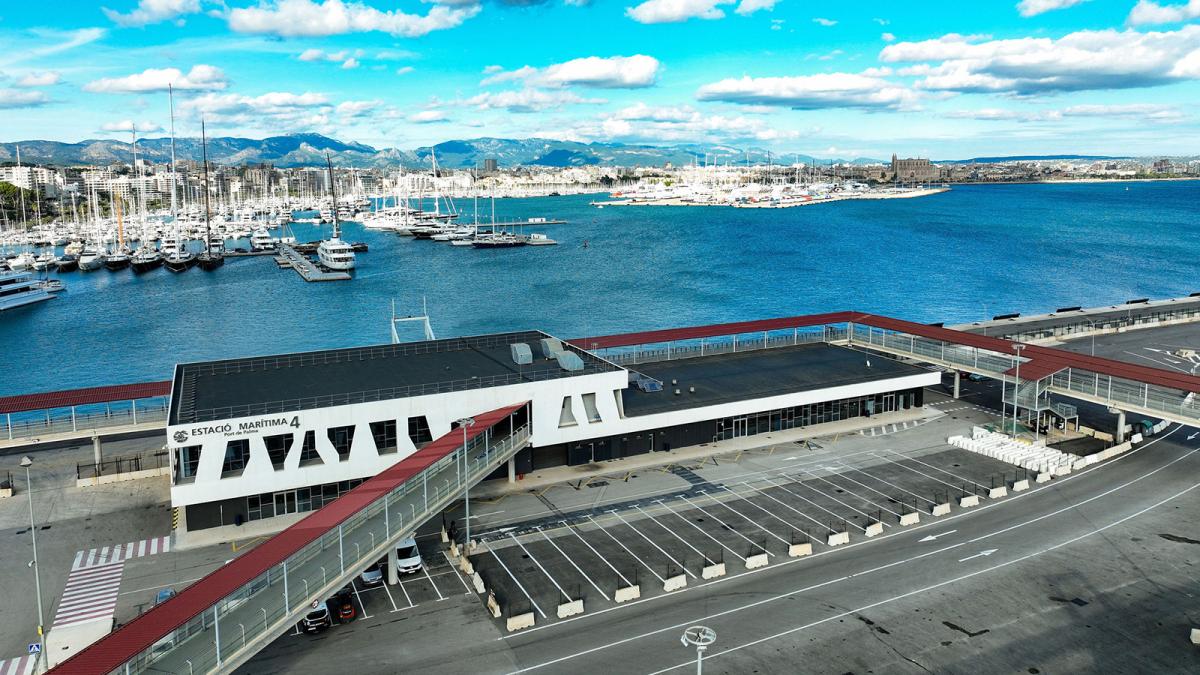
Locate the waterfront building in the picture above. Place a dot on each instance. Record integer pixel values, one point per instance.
(913, 170)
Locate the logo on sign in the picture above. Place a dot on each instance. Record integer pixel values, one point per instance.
(181, 436)
(35, 648)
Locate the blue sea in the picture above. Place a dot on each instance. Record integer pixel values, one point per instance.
(969, 253)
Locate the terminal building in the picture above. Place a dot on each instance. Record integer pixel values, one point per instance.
(275, 437)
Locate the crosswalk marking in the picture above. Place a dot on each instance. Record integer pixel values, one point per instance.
(90, 594)
(19, 666)
(120, 553)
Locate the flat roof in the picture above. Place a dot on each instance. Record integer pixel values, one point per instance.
(1070, 315)
(214, 390)
(741, 376)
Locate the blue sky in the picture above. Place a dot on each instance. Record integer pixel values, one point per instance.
(941, 79)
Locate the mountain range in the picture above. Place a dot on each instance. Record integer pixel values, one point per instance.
(298, 150)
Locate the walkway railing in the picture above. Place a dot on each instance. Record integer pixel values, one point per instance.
(725, 345)
(66, 420)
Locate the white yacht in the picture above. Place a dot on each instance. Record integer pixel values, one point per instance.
(22, 262)
(333, 253)
(260, 240)
(91, 259)
(18, 289)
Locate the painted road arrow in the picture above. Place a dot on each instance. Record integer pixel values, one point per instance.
(1193, 435)
(934, 537)
(980, 554)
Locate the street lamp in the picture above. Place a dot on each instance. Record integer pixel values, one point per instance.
(464, 424)
(37, 572)
(1017, 347)
(1092, 324)
(701, 637)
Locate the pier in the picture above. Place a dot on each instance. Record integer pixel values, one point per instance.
(307, 269)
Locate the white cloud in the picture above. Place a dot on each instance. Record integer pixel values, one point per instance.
(350, 109)
(987, 114)
(674, 124)
(350, 64)
(1080, 61)
(347, 58)
(404, 70)
(1147, 12)
(42, 79)
(1029, 8)
(130, 125)
(427, 117)
(808, 92)
(309, 18)
(615, 72)
(675, 11)
(270, 111)
(15, 98)
(527, 100)
(200, 78)
(153, 11)
(1141, 111)
(824, 22)
(312, 55)
(748, 7)
(888, 37)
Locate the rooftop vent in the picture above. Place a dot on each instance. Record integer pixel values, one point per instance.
(569, 361)
(522, 355)
(551, 347)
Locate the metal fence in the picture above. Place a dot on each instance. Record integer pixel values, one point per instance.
(686, 349)
(119, 465)
(67, 420)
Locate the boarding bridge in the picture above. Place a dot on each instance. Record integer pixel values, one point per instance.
(1037, 376)
(221, 621)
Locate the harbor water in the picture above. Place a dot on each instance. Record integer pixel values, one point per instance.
(966, 254)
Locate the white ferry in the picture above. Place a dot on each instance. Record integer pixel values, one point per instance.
(18, 289)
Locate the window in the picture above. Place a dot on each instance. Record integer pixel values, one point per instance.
(308, 450)
(277, 448)
(342, 438)
(589, 407)
(385, 436)
(260, 506)
(418, 431)
(187, 460)
(237, 453)
(566, 418)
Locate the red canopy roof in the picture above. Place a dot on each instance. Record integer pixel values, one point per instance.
(129, 640)
(70, 397)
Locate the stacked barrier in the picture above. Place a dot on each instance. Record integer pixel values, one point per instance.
(1037, 458)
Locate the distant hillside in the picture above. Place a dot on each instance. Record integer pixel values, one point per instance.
(297, 150)
(1029, 158)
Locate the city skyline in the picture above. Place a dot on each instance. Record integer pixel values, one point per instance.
(935, 79)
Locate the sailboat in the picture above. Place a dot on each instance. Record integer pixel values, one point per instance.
(118, 259)
(210, 259)
(179, 259)
(333, 253)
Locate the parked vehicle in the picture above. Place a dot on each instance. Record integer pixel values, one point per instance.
(408, 558)
(317, 619)
(343, 605)
(373, 575)
(163, 596)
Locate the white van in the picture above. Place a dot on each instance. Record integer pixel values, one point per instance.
(408, 561)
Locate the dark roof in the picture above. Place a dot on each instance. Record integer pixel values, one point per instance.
(1070, 315)
(725, 378)
(242, 387)
(106, 655)
(89, 395)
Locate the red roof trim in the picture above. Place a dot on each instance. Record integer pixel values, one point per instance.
(70, 397)
(111, 651)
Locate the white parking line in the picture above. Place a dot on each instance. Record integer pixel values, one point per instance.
(748, 518)
(937, 468)
(728, 527)
(431, 583)
(700, 529)
(707, 560)
(919, 473)
(792, 508)
(881, 480)
(869, 501)
(651, 542)
(403, 590)
(619, 543)
(575, 531)
(581, 572)
(543, 569)
(515, 581)
(455, 570)
(824, 494)
(361, 605)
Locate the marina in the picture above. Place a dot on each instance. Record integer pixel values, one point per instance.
(289, 258)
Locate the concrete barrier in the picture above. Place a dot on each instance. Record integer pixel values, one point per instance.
(6, 492)
(713, 571)
(910, 518)
(967, 501)
(465, 564)
(1042, 477)
(1020, 485)
(675, 583)
(940, 509)
(454, 549)
(121, 477)
(1196, 636)
(874, 529)
(998, 492)
(445, 536)
(493, 606)
(798, 550)
(1136, 438)
(570, 608)
(838, 538)
(477, 582)
(628, 593)
(1100, 435)
(757, 560)
(520, 622)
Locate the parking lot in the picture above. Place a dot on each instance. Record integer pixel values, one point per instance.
(684, 538)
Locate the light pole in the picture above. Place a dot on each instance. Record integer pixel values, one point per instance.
(37, 572)
(1093, 332)
(1017, 347)
(700, 637)
(465, 423)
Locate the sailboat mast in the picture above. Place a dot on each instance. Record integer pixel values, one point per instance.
(333, 195)
(204, 159)
(174, 168)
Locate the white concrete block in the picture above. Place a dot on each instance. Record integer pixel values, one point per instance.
(493, 606)
(628, 593)
(967, 501)
(466, 566)
(910, 518)
(520, 621)
(838, 538)
(454, 549)
(998, 492)
(1042, 477)
(798, 550)
(874, 529)
(1196, 636)
(477, 582)
(445, 536)
(940, 509)
(675, 583)
(1021, 485)
(1136, 438)
(759, 560)
(570, 608)
(713, 571)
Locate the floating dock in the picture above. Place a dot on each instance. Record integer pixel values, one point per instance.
(307, 269)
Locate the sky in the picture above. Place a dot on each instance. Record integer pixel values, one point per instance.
(866, 79)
